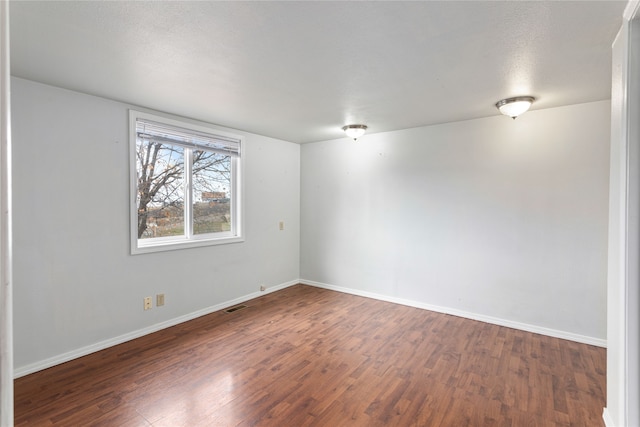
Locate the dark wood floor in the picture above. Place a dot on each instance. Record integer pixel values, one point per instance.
(305, 356)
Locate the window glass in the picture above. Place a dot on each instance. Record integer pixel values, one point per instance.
(160, 195)
(211, 186)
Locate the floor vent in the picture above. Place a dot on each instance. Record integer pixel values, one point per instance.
(236, 308)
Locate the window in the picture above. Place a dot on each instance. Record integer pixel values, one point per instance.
(185, 183)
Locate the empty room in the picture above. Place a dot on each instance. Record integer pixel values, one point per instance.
(320, 213)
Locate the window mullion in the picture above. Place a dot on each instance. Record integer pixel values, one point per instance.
(233, 192)
(188, 193)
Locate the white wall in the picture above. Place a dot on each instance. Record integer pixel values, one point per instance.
(76, 284)
(494, 218)
(491, 217)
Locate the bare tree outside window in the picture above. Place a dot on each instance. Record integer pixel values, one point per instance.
(161, 190)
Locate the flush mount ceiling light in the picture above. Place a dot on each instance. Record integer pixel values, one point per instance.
(354, 131)
(513, 107)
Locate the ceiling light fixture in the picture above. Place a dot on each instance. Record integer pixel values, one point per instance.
(354, 131)
(513, 107)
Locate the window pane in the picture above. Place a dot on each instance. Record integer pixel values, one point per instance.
(211, 192)
(160, 198)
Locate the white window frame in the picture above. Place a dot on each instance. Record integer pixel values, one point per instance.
(188, 240)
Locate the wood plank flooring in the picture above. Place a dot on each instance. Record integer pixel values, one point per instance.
(305, 356)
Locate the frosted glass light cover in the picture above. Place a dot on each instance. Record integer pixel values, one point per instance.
(513, 107)
(354, 131)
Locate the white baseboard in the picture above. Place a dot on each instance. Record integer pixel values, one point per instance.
(74, 354)
(468, 315)
(608, 422)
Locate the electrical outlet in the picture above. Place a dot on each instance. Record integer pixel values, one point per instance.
(147, 303)
(159, 300)
(263, 288)
(281, 225)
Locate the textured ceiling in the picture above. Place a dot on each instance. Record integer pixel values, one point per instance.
(299, 71)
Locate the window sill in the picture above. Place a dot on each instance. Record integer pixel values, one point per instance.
(137, 249)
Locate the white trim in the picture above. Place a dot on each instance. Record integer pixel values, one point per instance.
(616, 306)
(632, 232)
(467, 315)
(6, 239)
(622, 288)
(177, 244)
(631, 10)
(608, 421)
(74, 354)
